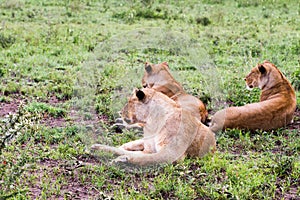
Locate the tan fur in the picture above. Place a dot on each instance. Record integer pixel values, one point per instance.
(158, 77)
(170, 132)
(275, 109)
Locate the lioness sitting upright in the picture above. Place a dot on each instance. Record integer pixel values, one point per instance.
(275, 109)
(158, 77)
(170, 132)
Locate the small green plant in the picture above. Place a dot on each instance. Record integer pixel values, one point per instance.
(296, 79)
(204, 21)
(11, 88)
(16, 124)
(6, 41)
(2, 71)
(4, 99)
(44, 108)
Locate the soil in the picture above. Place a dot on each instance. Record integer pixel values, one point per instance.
(9, 107)
(71, 187)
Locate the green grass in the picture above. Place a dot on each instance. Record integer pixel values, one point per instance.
(45, 108)
(77, 61)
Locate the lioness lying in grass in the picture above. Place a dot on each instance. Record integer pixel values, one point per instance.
(170, 132)
(275, 109)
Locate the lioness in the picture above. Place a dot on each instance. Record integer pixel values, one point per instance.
(170, 132)
(158, 77)
(275, 109)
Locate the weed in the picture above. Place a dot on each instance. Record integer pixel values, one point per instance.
(6, 41)
(5, 99)
(296, 79)
(44, 108)
(203, 21)
(15, 124)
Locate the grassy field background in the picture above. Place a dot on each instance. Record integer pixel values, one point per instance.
(66, 68)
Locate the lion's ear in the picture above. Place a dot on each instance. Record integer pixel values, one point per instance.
(262, 69)
(165, 64)
(140, 95)
(148, 67)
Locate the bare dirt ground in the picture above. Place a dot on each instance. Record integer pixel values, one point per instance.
(9, 107)
(74, 187)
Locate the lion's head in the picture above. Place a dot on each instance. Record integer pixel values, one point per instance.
(155, 73)
(135, 110)
(263, 76)
(146, 105)
(158, 77)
